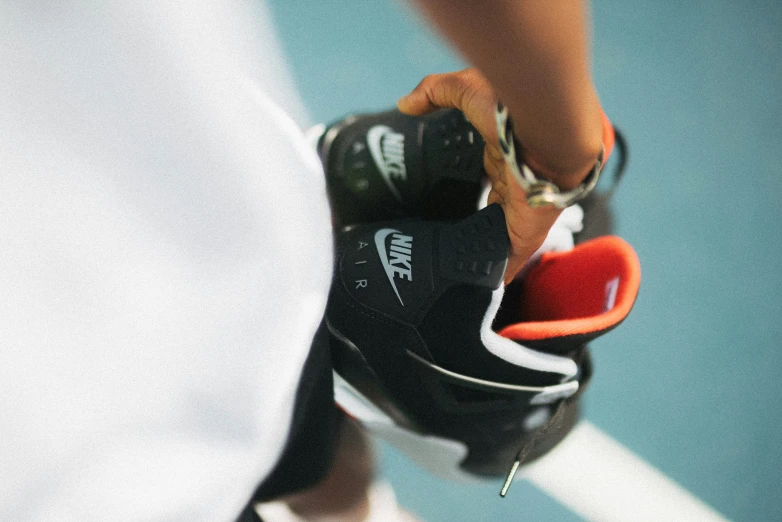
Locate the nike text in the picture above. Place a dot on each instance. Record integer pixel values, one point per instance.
(397, 260)
(399, 256)
(388, 152)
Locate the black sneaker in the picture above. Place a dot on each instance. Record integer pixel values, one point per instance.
(427, 343)
(391, 165)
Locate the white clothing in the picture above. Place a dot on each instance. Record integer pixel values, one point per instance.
(165, 259)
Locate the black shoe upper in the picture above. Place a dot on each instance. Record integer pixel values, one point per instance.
(390, 165)
(406, 309)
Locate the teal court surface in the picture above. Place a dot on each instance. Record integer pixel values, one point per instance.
(689, 383)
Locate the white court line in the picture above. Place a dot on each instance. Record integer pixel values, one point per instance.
(601, 480)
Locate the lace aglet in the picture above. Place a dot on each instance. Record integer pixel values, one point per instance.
(509, 478)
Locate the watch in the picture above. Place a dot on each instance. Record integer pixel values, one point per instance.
(540, 192)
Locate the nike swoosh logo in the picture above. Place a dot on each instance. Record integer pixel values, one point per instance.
(380, 244)
(374, 137)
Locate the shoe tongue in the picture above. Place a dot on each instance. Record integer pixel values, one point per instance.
(570, 298)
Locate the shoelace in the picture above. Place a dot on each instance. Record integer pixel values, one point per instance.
(553, 423)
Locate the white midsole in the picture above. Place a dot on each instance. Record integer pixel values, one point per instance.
(437, 455)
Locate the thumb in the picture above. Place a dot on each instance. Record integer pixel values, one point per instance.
(466, 90)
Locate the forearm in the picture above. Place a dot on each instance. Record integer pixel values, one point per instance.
(536, 55)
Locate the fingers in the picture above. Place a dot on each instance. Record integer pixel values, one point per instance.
(494, 165)
(466, 90)
(420, 100)
(527, 227)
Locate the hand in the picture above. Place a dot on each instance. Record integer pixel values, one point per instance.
(472, 94)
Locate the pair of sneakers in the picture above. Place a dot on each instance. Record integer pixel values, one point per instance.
(431, 351)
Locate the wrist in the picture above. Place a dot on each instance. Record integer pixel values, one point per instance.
(546, 186)
(566, 170)
(569, 158)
